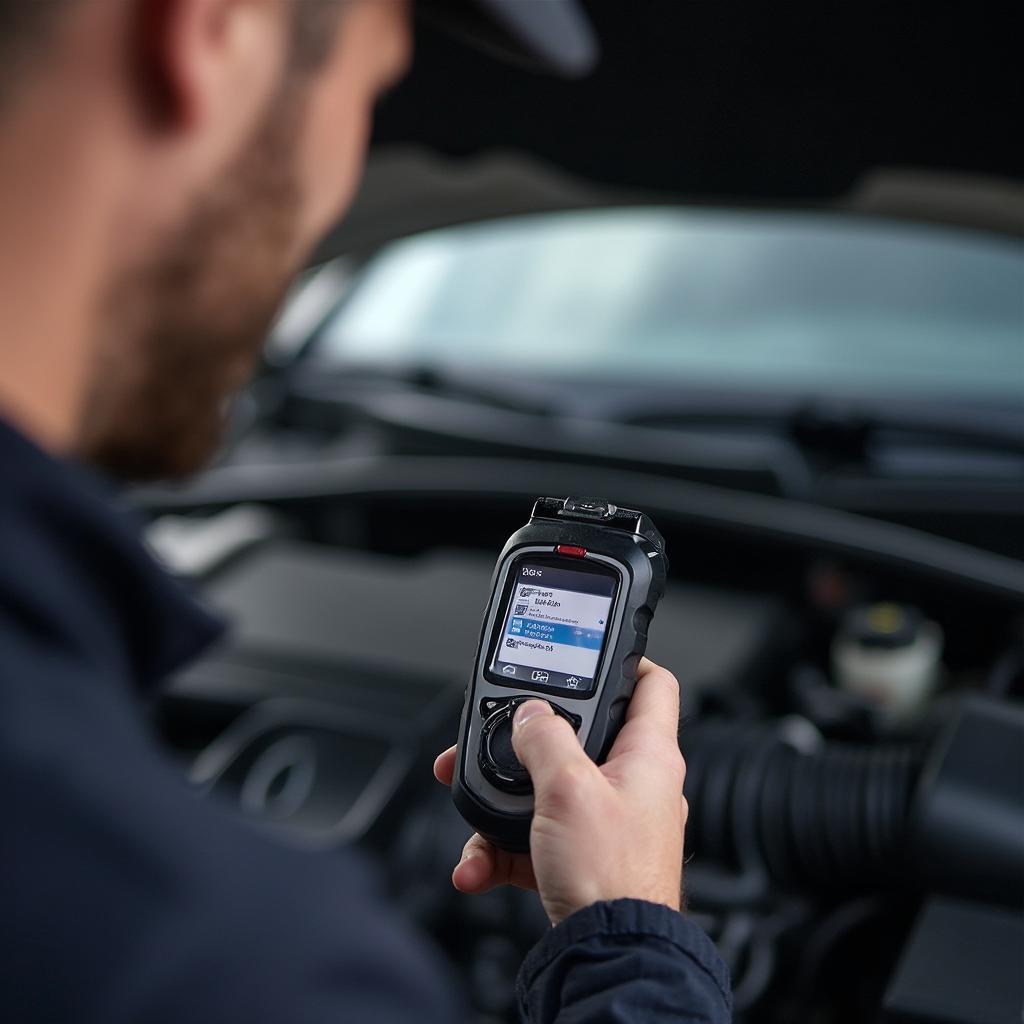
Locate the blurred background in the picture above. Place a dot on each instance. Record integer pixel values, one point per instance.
(762, 276)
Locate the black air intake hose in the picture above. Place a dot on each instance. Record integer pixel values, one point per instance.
(834, 817)
(776, 803)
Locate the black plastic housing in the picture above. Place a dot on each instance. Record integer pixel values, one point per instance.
(967, 819)
(622, 539)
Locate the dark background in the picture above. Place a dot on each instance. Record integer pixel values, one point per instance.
(740, 100)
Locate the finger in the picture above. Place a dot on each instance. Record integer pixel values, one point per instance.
(484, 867)
(547, 745)
(444, 766)
(475, 870)
(657, 696)
(652, 718)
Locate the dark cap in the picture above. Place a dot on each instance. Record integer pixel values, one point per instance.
(545, 35)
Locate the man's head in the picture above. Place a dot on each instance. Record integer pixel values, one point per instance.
(226, 136)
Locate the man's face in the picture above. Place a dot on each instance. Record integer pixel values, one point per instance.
(182, 329)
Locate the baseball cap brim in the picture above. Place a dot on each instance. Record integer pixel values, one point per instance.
(553, 36)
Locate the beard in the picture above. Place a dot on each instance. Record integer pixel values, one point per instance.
(182, 332)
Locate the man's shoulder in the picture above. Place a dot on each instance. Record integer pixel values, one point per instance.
(121, 882)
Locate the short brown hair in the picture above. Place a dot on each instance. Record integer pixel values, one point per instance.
(25, 28)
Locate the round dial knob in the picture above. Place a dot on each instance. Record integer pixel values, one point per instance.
(498, 760)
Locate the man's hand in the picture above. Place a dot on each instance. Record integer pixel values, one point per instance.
(598, 833)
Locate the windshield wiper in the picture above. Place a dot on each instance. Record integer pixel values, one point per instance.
(845, 429)
(339, 382)
(440, 412)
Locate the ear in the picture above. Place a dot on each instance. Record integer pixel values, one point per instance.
(208, 68)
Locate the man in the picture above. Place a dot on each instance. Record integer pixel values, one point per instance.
(165, 167)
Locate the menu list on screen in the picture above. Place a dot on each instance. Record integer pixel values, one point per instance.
(554, 626)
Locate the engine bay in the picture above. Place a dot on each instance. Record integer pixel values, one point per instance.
(851, 720)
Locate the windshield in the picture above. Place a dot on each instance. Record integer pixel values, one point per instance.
(812, 301)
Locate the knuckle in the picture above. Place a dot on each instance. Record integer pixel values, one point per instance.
(566, 784)
(572, 776)
(670, 762)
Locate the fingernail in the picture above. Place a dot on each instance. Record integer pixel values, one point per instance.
(529, 710)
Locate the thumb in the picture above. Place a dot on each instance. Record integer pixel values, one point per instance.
(546, 744)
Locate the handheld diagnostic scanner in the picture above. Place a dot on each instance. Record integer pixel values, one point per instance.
(572, 597)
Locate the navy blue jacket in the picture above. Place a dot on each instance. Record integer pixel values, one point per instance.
(125, 898)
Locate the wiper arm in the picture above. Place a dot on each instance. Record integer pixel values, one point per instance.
(442, 423)
(441, 411)
(846, 429)
(431, 380)
(338, 382)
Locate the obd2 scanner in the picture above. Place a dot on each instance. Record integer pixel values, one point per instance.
(572, 598)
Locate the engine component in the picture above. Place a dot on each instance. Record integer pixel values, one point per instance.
(967, 827)
(962, 963)
(890, 654)
(835, 817)
(948, 816)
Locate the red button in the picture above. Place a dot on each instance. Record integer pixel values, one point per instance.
(570, 551)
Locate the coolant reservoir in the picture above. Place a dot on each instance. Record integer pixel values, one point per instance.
(889, 654)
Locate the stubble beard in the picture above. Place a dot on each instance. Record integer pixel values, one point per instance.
(181, 332)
